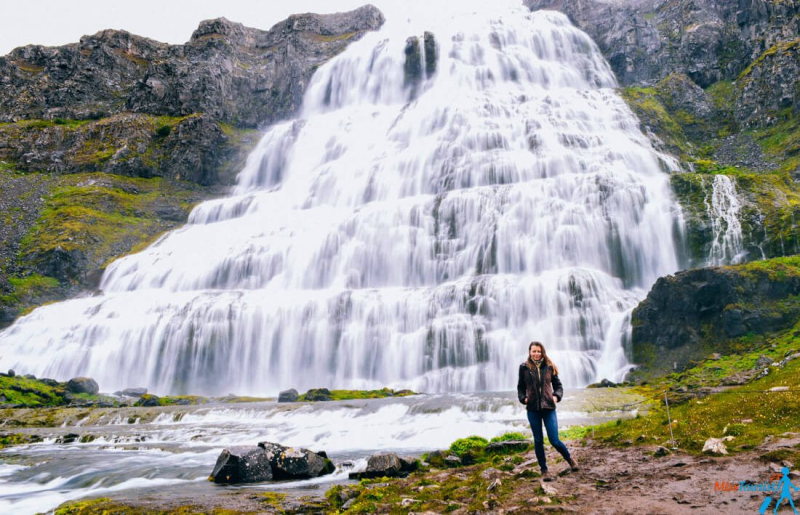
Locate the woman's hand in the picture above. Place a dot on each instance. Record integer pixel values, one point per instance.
(555, 399)
(526, 400)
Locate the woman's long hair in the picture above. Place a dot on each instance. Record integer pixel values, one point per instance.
(544, 356)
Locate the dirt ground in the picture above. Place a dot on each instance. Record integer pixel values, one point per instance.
(633, 481)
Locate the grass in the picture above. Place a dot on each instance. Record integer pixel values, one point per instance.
(32, 393)
(746, 410)
(323, 394)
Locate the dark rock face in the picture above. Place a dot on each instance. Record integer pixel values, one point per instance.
(431, 54)
(646, 40)
(244, 76)
(413, 65)
(83, 385)
(294, 462)
(684, 312)
(244, 464)
(290, 395)
(192, 148)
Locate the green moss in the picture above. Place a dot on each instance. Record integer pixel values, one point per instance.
(508, 436)
(105, 506)
(182, 400)
(10, 439)
(346, 395)
(646, 104)
(463, 446)
(781, 46)
(324, 38)
(24, 392)
(28, 288)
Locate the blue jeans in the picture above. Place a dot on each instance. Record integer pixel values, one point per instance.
(548, 416)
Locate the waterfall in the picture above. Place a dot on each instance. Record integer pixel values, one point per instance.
(410, 232)
(722, 206)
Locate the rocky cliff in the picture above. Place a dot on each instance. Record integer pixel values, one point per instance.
(695, 313)
(108, 142)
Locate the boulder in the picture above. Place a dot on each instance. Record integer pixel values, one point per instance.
(605, 383)
(408, 463)
(385, 464)
(289, 395)
(242, 464)
(83, 385)
(295, 462)
(11, 373)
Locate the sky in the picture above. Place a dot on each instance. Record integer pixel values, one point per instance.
(58, 22)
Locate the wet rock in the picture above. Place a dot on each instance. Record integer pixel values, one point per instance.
(412, 68)
(83, 385)
(131, 392)
(67, 438)
(242, 464)
(385, 464)
(289, 395)
(147, 400)
(431, 53)
(491, 473)
(494, 485)
(295, 462)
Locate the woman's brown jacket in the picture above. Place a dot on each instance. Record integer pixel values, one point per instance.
(539, 386)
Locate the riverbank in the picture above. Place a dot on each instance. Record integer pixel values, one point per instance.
(650, 463)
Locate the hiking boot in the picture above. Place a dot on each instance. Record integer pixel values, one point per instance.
(572, 465)
(546, 476)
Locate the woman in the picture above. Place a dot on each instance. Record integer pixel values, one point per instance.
(539, 388)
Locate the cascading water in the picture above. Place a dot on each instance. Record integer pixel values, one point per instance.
(722, 205)
(383, 240)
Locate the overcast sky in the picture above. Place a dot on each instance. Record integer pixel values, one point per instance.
(57, 22)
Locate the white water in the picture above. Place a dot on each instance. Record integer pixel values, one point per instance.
(379, 240)
(722, 206)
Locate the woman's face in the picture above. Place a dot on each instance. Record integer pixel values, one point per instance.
(536, 353)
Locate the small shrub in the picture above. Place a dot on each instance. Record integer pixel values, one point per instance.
(163, 131)
(464, 445)
(508, 436)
